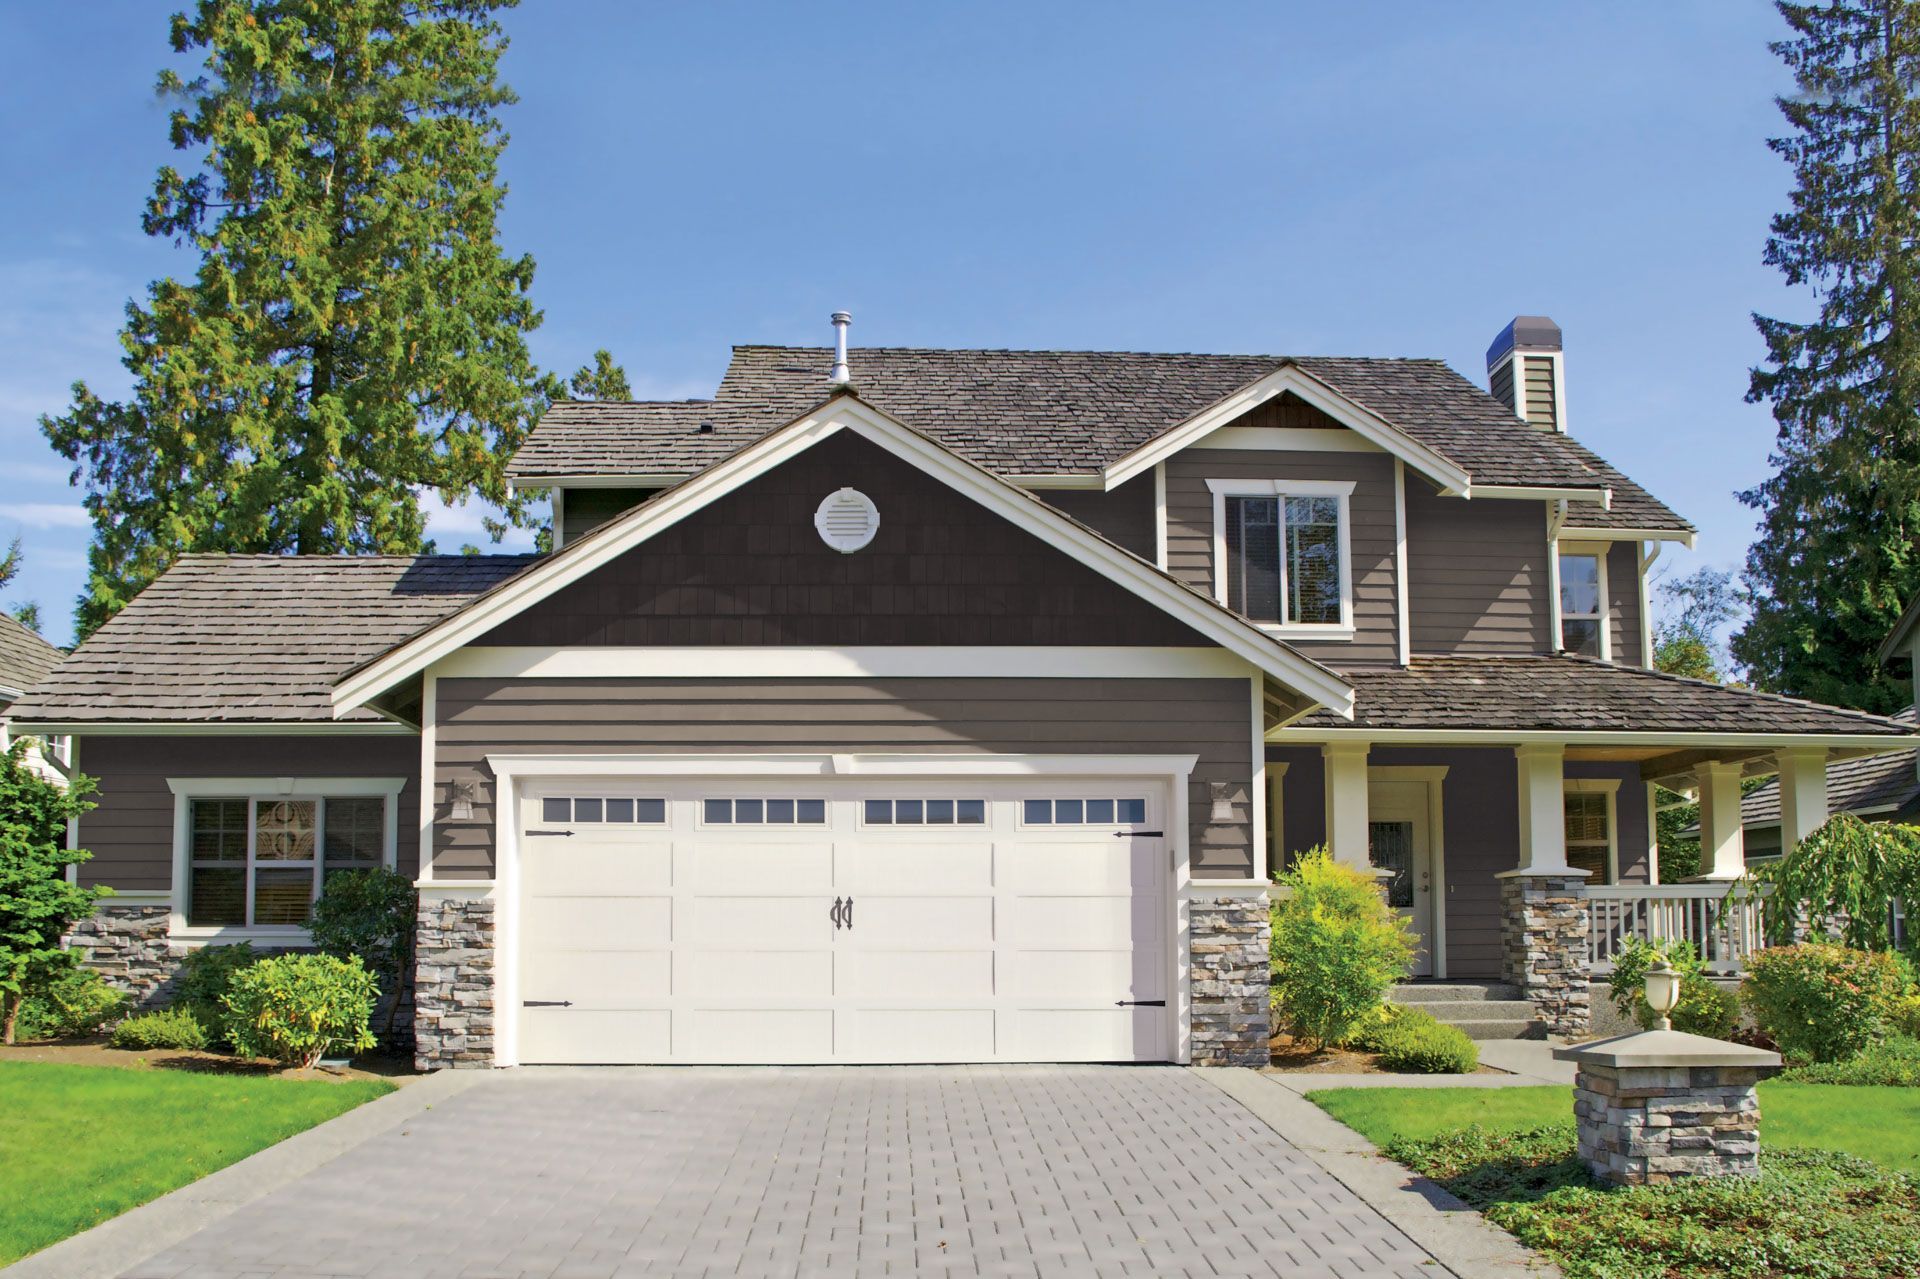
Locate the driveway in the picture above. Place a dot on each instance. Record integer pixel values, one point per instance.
(987, 1170)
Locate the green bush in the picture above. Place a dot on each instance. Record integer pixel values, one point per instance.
(176, 1028)
(1892, 1063)
(1378, 1023)
(1904, 1017)
(1822, 1002)
(372, 915)
(75, 1001)
(1428, 1047)
(297, 1008)
(37, 905)
(206, 975)
(1336, 949)
(1705, 1008)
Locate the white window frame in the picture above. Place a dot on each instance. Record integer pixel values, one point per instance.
(252, 789)
(1599, 552)
(1285, 488)
(1610, 787)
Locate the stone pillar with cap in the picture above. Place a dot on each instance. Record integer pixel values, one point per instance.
(1663, 1105)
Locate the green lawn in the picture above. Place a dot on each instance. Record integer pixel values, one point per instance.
(85, 1143)
(1881, 1124)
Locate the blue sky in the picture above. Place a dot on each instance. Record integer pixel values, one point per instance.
(1383, 179)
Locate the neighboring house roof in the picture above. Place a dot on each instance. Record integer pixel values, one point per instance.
(1032, 413)
(253, 638)
(1155, 586)
(1874, 784)
(1566, 694)
(1897, 637)
(25, 658)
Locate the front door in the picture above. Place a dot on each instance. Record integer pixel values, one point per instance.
(1400, 844)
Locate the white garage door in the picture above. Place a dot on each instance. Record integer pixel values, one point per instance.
(892, 921)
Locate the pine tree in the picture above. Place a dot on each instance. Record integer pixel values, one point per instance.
(1835, 560)
(354, 333)
(25, 612)
(600, 380)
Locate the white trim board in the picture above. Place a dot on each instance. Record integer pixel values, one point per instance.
(1863, 744)
(1020, 508)
(1574, 532)
(217, 728)
(1119, 662)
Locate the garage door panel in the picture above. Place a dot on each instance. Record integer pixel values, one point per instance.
(901, 922)
(720, 865)
(760, 1034)
(1084, 1034)
(1083, 922)
(748, 974)
(594, 1037)
(919, 1034)
(1076, 868)
(908, 867)
(1120, 973)
(598, 868)
(602, 978)
(598, 923)
(889, 974)
(723, 923)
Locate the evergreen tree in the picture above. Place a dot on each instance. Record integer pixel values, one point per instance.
(25, 612)
(1835, 560)
(601, 380)
(354, 333)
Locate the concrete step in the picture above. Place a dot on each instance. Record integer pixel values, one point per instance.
(1480, 1029)
(1429, 992)
(1456, 1011)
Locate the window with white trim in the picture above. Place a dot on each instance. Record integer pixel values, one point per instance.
(260, 861)
(1592, 821)
(1282, 551)
(1583, 601)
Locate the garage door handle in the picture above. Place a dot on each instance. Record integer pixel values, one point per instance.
(1139, 1003)
(847, 914)
(834, 914)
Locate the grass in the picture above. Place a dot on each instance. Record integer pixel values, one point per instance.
(85, 1143)
(1881, 1124)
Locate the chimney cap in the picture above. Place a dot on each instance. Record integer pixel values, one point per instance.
(1524, 333)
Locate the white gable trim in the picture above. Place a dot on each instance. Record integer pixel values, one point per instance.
(1291, 377)
(613, 539)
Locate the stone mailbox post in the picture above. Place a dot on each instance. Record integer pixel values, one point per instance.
(1661, 1105)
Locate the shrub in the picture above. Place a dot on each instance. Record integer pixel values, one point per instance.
(297, 1008)
(1821, 1002)
(37, 904)
(371, 914)
(1893, 1063)
(1336, 949)
(206, 976)
(1846, 872)
(72, 1001)
(1705, 1008)
(1904, 1017)
(1414, 1043)
(169, 1028)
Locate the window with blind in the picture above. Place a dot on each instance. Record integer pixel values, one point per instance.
(260, 861)
(1283, 555)
(1590, 821)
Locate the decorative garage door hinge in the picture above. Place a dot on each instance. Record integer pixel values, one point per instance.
(1139, 1003)
(546, 1003)
(1127, 834)
(549, 832)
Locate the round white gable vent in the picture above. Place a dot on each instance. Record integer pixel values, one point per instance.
(847, 520)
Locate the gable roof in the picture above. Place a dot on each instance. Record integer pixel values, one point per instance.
(1876, 783)
(25, 658)
(1213, 620)
(236, 639)
(1033, 413)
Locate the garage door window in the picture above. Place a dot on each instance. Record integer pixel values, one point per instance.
(1084, 812)
(618, 809)
(765, 812)
(924, 812)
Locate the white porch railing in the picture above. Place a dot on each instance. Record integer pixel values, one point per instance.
(1721, 920)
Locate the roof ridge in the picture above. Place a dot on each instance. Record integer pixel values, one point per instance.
(1065, 350)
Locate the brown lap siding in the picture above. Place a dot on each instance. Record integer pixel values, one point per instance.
(1208, 718)
(130, 831)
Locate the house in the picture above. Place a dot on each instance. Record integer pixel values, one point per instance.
(944, 705)
(1875, 788)
(25, 660)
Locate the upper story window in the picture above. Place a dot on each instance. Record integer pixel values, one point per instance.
(1281, 553)
(1583, 601)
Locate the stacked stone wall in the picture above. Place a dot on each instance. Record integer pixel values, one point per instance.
(1231, 980)
(1544, 920)
(453, 1013)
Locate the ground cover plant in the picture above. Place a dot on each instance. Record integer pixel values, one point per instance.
(85, 1143)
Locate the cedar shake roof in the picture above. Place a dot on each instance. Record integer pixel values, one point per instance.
(251, 638)
(1065, 412)
(1578, 694)
(25, 658)
(1874, 782)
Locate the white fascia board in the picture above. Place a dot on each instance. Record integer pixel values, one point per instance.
(1014, 504)
(1574, 533)
(1350, 414)
(649, 480)
(887, 662)
(216, 728)
(1534, 493)
(1862, 744)
(1095, 481)
(854, 764)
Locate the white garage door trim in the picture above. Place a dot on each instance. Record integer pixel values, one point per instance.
(510, 770)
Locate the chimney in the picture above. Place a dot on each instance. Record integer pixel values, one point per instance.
(1527, 372)
(840, 376)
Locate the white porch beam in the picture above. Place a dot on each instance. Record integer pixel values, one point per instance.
(1723, 843)
(1543, 807)
(1803, 795)
(1346, 770)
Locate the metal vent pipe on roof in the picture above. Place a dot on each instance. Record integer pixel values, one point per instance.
(840, 376)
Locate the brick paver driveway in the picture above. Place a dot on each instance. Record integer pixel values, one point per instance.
(991, 1170)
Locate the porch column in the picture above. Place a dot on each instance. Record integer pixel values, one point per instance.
(1346, 770)
(1803, 795)
(1723, 844)
(1543, 808)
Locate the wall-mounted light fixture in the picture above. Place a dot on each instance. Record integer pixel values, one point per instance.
(1222, 805)
(460, 800)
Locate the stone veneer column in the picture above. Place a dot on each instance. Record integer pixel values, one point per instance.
(1544, 922)
(1231, 1021)
(453, 983)
(128, 946)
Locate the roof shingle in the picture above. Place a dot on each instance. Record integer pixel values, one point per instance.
(1871, 782)
(25, 658)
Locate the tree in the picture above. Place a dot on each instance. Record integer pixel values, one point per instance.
(600, 380)
(1697, 607)
(1846, 874)
(354, 334)
(37, 904)
(1835, 560)
(26, 612)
